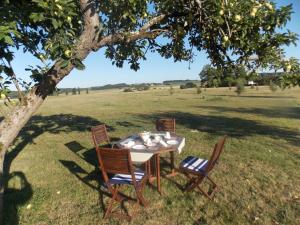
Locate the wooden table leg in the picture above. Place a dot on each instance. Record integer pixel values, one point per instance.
(172, 165)
(152, 176)
(158, 172)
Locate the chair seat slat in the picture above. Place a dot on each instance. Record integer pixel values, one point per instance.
(193, 163)
(126, 178)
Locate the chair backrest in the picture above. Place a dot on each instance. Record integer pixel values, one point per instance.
(99, 134)
(115, 160)
(166, 124)
(219, 146)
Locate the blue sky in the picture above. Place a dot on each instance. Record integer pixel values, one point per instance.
(100, 71)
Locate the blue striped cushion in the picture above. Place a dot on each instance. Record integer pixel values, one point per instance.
(193, 163)
(126, 178)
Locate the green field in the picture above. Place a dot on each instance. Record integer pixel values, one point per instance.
(52, 177)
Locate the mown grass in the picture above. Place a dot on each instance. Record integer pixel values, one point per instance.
(51, 167)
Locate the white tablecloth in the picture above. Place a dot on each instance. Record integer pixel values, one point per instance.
(143, 155)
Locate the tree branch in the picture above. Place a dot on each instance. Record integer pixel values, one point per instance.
(143, 33)
(13, 77)
(82, 48)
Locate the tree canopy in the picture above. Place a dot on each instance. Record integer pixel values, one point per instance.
(214, 77)
(229, 31)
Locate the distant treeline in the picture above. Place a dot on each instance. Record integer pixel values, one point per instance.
(123, 85)
(110, 86)
(265, 78)
(261, 79)
(179, 82)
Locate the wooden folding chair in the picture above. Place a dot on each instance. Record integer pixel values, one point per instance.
(168, 124)
(100, 136)
(197, 169)
(118, 162)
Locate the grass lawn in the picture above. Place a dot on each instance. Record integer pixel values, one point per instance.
(52, 177)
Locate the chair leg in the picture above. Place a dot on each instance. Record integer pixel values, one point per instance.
(205, 193)
(194, 182)
(120, 199)
(212, 181)
(210, 195)
(141, 199)
(109, 207)
(158, 173)
(172, 159)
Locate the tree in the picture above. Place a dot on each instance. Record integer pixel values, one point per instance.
(171, 90)
(198, 90)
(229, 80)
(210, 76)
(188, 85)
(272, 86)
(240, 86)
(62, 33)
(74, 91)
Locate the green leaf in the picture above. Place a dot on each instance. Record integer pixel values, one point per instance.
(8, 40)
(54, 23)
(78, 64)
(64, 64)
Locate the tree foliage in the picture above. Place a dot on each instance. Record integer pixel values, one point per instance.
(214, 77)
(230, 31)
(210, 76)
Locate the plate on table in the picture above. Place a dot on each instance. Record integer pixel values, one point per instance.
(152, 144)
(172, 142)
(139, 147)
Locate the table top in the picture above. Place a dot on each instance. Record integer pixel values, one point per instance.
(158, 143)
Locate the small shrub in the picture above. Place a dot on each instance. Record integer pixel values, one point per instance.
(171, 90)
(190, 85)
(128, 90)
(272, 86)
(146, 88)
(74, 91)
(182, 86)
(240, 86)
(199, 90)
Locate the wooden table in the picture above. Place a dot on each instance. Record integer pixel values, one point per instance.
(145, 154)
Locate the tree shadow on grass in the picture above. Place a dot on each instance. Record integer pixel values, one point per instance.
(275, 112)
(62, 123)
(93, 179)
(232, 126)
(256, 96)
(16, 195)
(99, 186)
(126, 124)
